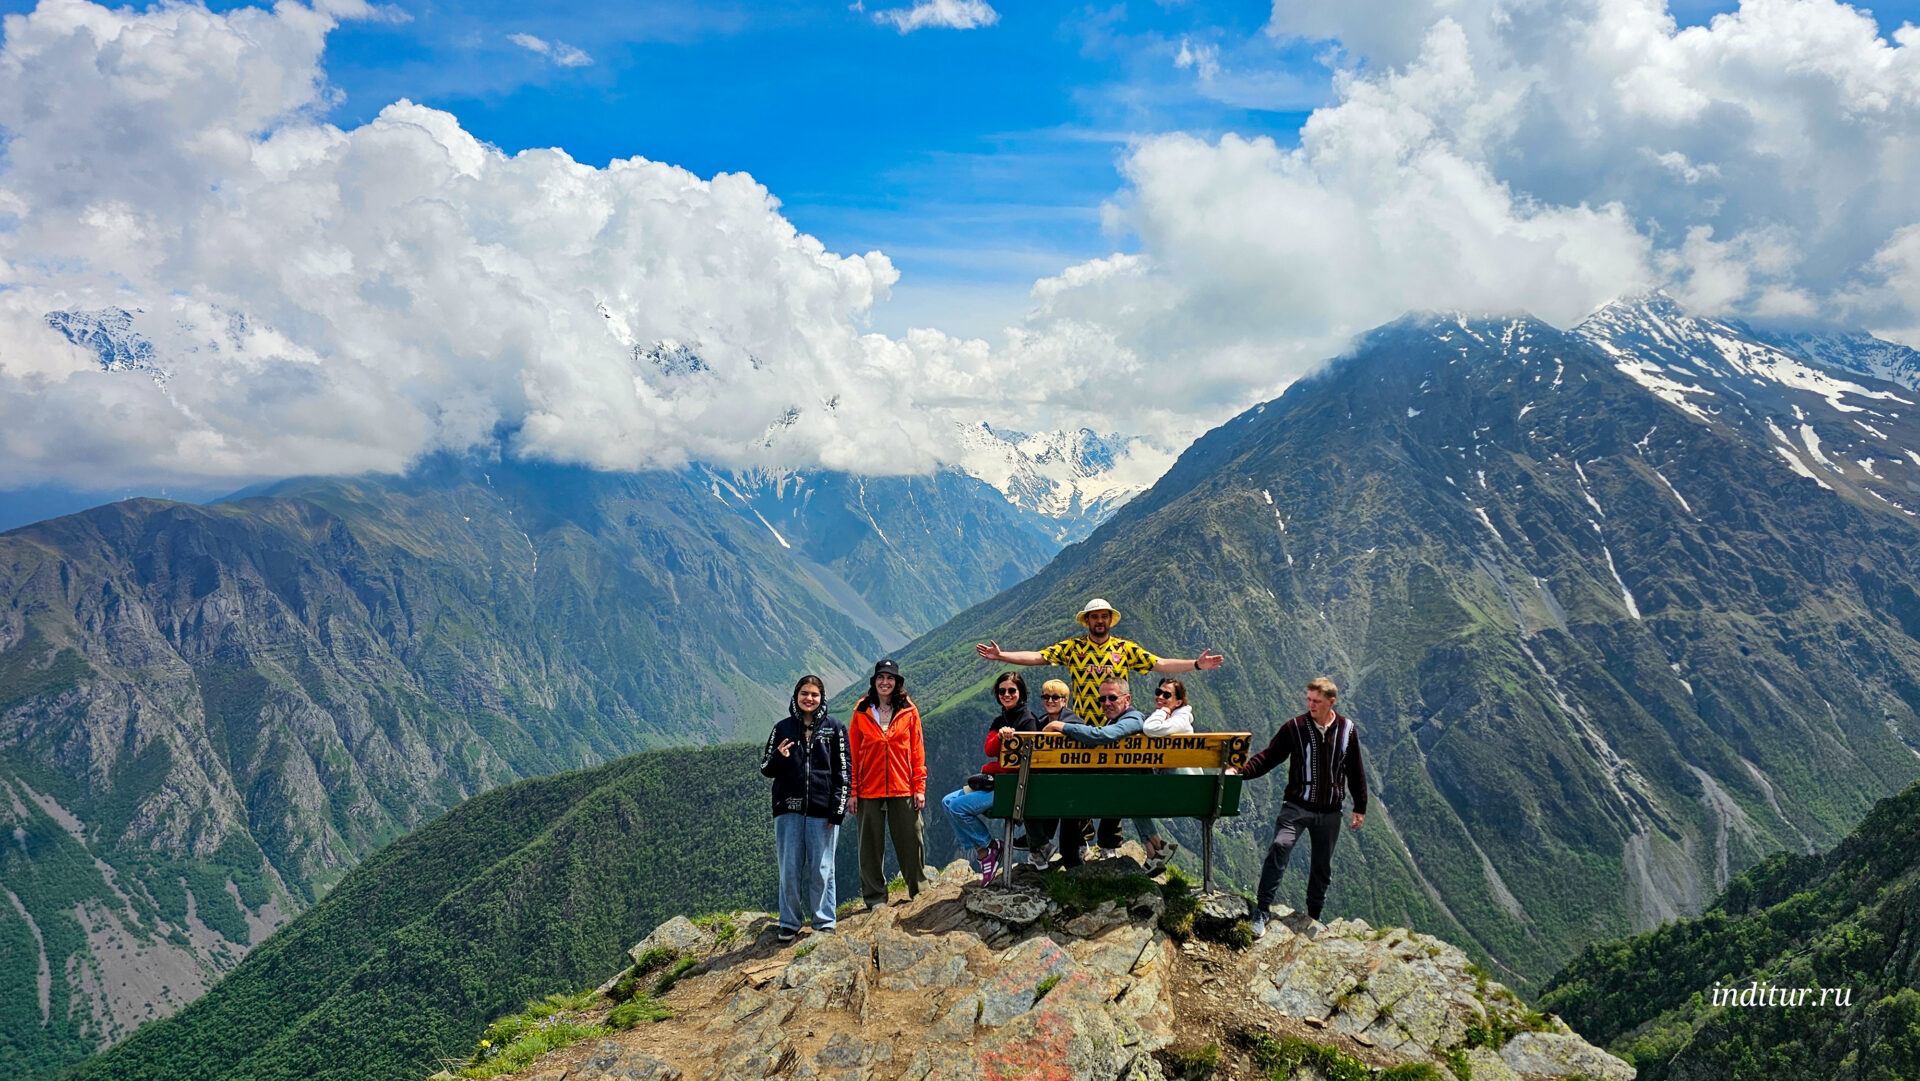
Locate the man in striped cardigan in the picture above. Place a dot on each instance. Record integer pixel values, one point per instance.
(1322, 752)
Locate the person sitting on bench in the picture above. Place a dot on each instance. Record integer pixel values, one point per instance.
(1116, 702)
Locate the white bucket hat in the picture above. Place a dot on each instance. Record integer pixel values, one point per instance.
(1098, 604)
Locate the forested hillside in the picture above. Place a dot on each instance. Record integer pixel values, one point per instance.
(533, 888)
(1845, 920)
(209, 713)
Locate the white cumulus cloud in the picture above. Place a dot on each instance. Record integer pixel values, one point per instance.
(943, 14)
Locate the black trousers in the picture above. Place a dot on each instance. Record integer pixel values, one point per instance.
(1323, 828)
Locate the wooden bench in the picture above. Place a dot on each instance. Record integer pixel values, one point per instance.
(1058, 777)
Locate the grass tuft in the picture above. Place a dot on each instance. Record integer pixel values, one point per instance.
(1279, 1059)
(672, 976)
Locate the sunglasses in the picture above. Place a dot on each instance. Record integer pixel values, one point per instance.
(1105, 698)
(1004, 691)
(1053, 697)
(1163, 694)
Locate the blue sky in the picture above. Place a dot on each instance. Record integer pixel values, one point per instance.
(978, 160)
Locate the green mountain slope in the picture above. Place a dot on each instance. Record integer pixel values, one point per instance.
(208, 714)
(1847, 920)
(1604, 651)
(529, 889)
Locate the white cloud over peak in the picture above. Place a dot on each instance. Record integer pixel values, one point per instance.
(339, 300)
(942, 14)
(1545, 155)
(558, 51)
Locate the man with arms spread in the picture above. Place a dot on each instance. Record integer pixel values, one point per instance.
(1093, 658)
(1096, 656)
(1322, 753)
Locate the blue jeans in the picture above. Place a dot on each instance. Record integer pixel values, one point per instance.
(804, 846)
(967, 810)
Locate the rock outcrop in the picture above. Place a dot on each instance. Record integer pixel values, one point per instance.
(1090, 977)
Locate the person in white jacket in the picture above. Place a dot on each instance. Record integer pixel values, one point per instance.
(1171, 716)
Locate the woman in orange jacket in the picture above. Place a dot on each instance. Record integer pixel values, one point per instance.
(889, 783)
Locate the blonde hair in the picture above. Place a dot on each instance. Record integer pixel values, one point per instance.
(1324, 686)
(1055, 686)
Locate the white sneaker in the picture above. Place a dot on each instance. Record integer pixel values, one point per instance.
(1260, 924)
(1109, 853)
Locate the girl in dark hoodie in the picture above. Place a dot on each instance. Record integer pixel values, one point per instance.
(808, 760)
(967, 806)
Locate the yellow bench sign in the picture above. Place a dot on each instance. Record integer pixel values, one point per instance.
(1203, 750)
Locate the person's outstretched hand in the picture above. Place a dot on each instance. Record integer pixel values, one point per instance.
(988, 650)
(1208, 659)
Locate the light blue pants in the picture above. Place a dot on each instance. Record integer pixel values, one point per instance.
(967, 810)
(804, 846)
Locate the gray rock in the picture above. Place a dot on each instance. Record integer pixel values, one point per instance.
(1116, 953)
(846, 1057)
(1221, 905)
(1091, 924)
(934, 970)
(678, 933)
(1557, 1055)
(1011, 991)
(1489, 1066)
(832, 975)
(897, 951)
(611, 1062)
(1016, 906)
(750, 1004)
(958, 1023)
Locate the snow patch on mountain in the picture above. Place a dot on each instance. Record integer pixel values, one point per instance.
(1068, 482)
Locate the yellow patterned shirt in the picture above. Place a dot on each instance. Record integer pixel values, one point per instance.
(1089, 664)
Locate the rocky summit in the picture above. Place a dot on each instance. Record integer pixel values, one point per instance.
(1098, 974)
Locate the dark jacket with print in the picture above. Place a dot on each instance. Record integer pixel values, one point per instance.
(813, 778)
(1320, 772)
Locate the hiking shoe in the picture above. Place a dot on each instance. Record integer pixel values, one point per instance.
(1042, 857)
(1260, 924)
(1109, 853)
(788, 934)
(989, 863)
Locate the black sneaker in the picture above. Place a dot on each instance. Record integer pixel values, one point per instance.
(788, 934)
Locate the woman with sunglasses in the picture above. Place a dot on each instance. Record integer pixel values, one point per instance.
(1171, 716)
(967, 805)
(1040, 832)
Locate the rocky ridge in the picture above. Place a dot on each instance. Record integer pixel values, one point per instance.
(1095, 975)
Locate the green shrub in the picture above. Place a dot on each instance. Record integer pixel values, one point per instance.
(637, 1011)
(1195, 1065)
(1280, 1058)
(1048, 984)
(725, 931)
(1410, 1071)
(1458, 1063)
(1181, 904)
(1077, 893)
(511, 1043)
(672, 976)
(629, 983)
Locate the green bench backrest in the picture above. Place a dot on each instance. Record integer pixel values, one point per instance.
(1081, 794)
